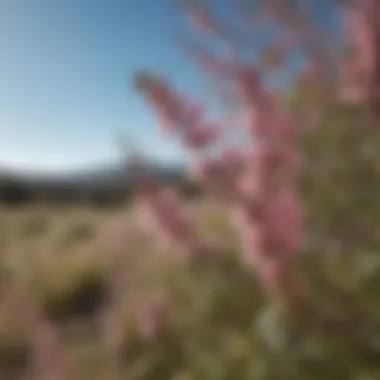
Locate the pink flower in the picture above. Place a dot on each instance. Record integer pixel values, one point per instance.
(234, 160)
(170, 220)
(203, 21)
(258, 182)
(271, 123)
(255, 179)
(283, 217)
(208, 169)
(195, 113)
(271, 275)
(181, 116)
(208, 248)
(250, 235)
(358, 81)
(202, 136)
(249, 82)
(152, 317)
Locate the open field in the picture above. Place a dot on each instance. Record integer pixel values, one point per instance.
(81, 264)
(66, 256)
(57, 252)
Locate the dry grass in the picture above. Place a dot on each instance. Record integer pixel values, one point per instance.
(58, 252)
(70, 258)
(65, 255)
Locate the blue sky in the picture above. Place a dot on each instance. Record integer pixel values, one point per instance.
(64, 72)
(65, 69)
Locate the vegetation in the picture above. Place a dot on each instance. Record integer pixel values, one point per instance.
(274, 273)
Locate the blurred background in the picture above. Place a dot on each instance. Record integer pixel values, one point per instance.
(86, 290)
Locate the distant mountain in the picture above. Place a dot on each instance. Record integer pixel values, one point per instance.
(124, 174)
(107, 185)
(105, 176)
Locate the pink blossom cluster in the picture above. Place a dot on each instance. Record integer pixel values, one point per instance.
(178, 114)
(259, 182)
(357, 67)
(172, 223)
(268, 214)
(164, 210)
(359, 71)
(170, 218)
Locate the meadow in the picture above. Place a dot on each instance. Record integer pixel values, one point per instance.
(95, 273)
(69, 257)
(54, 250)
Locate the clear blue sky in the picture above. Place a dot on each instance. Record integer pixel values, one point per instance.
(64, 79)
(64, 72)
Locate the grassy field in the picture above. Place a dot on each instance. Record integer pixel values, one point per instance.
(57, 252)
(83, 265)
(69, 258)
